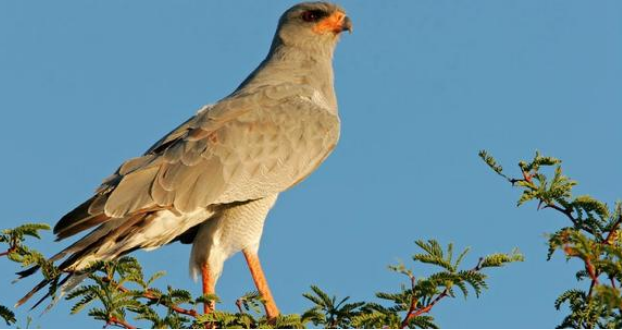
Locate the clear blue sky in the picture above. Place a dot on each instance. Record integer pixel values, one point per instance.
(422, 86)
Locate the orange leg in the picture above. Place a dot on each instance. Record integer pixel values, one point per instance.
(259, 278)
(208, 288)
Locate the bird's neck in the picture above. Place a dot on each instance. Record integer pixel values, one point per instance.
(288, 64)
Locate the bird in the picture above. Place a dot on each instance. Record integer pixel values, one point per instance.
(212, 180)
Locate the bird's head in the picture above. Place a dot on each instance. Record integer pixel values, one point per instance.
(312, 25)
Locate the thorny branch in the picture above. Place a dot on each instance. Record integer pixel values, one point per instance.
(11, 249)
(567, 212)
(180, 310)
(528, 177)
(426, 309)
(593, 240)
(155, 299)
(414, 312)
(614, 229)
(119, 323)
(413, 302)
(238, 304)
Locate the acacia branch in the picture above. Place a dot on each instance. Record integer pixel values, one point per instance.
(180, 310)
(238, 304)
(591, 270)
(528, 177)
(10, 250)
(614, 229)
(157, 300)
(414, 312)
(568, 213)
(413, 301)
(120, 323)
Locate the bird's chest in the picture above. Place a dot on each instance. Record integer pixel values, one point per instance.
(277, 147)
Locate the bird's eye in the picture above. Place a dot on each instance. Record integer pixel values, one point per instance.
(312, 15)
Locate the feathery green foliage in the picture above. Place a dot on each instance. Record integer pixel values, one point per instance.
(328, 312)
(117, 293)
(593, 236)
(22, 254)
(410, 306)
(7, 315)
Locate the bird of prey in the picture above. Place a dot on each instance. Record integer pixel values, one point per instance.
(212, 180)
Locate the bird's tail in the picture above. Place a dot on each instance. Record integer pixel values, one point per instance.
(58, 288)
(77, 257)
(59, 284)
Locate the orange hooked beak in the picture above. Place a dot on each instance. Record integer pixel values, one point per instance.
(336, 23)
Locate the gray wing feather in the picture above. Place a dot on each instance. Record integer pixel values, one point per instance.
(132, 193)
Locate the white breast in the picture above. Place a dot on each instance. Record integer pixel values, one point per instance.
(228, 232)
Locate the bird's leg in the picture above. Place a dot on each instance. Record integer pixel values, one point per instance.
(208, 288)
(252, 259)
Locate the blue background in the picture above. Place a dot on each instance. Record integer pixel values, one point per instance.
(422, 87)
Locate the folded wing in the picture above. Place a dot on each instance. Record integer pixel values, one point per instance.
(245, 147)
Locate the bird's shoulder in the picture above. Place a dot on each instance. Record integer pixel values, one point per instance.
(246, 105)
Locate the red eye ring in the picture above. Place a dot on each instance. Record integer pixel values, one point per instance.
(311, 16)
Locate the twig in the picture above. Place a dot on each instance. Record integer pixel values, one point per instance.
(591, 291)
(513, 181)
(154, 299)
(180, 310)
(10, 250)
(413, 302)
(413, 312)
(574, 220)
(238, 303)
(189, 312)
(120, 323)
(567, 212)
(478, 267)
(527, 177)
(613, 282)
(591, 270)
(613, 230)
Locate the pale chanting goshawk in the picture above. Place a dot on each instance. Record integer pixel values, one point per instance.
(212, 181)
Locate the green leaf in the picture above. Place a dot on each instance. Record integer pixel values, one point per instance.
(538, 161)
(492, 163)
(422, 322)
(526, 197)
(460, 257)
(500, 259)
(7, 315)
(591, 205)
